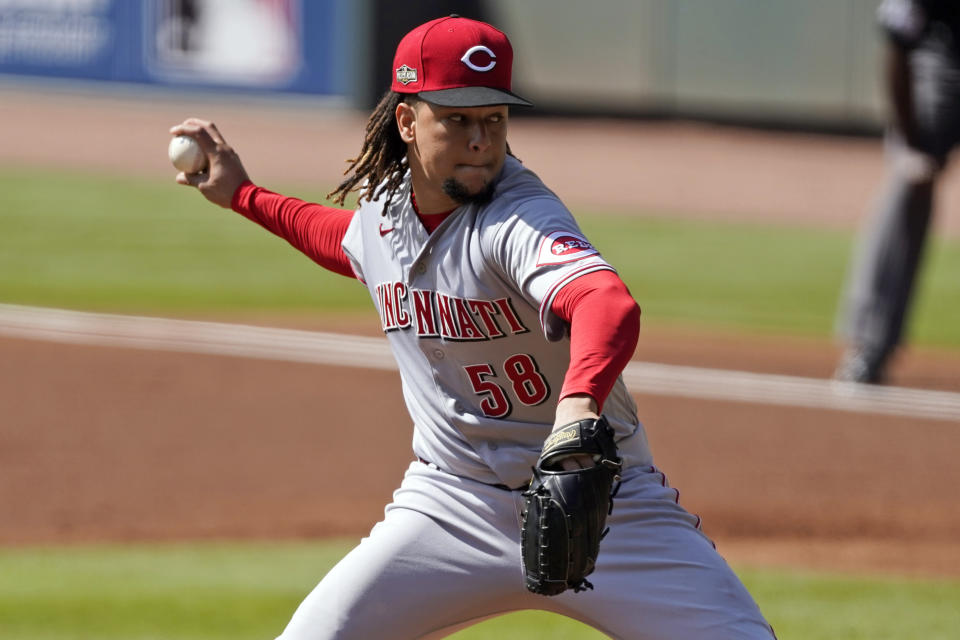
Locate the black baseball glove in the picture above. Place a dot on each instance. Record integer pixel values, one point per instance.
(565, 512)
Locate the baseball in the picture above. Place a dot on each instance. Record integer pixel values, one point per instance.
(186, 155)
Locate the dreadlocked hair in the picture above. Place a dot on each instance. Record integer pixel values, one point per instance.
(382, 162)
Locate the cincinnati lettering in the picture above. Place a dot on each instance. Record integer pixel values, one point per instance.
(436, 315)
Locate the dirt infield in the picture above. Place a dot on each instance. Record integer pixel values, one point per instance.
(121, 444)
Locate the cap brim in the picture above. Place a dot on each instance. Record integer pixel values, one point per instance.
(473, 97)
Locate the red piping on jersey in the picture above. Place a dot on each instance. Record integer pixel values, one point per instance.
(547, 303)
(663, 483)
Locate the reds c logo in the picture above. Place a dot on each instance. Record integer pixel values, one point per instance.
(479, 49)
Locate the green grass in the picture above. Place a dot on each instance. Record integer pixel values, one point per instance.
(811, 606)
(207, 591)
(752, 278)
(90, 242)
(144, 592)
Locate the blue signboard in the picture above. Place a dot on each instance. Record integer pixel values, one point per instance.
(300, 46)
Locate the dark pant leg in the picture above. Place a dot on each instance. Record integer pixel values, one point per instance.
(886, 266)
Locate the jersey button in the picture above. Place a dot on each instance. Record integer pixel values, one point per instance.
(494, 446)
(421, 268)
(439, 354)
(458, 407)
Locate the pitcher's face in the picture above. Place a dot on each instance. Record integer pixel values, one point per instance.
(454, 152)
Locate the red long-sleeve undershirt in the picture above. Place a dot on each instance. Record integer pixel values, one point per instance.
(603, 317)
(604, 324)
(314, 229)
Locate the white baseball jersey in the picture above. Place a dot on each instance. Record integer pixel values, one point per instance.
(467, 313)
(466, 310)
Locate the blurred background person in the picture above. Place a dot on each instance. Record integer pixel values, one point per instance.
(922, 81)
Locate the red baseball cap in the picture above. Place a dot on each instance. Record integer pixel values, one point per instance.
(456, 62)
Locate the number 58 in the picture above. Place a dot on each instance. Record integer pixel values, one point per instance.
(527, 383)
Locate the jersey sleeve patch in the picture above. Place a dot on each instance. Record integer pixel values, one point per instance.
(561, 247)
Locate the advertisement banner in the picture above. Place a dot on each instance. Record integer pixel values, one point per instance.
(275, 45)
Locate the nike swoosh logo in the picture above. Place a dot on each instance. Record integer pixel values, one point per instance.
(383, 231)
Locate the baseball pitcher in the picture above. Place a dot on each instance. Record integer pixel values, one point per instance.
(531, 485)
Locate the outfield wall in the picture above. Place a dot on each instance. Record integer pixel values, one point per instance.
(811, 63)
